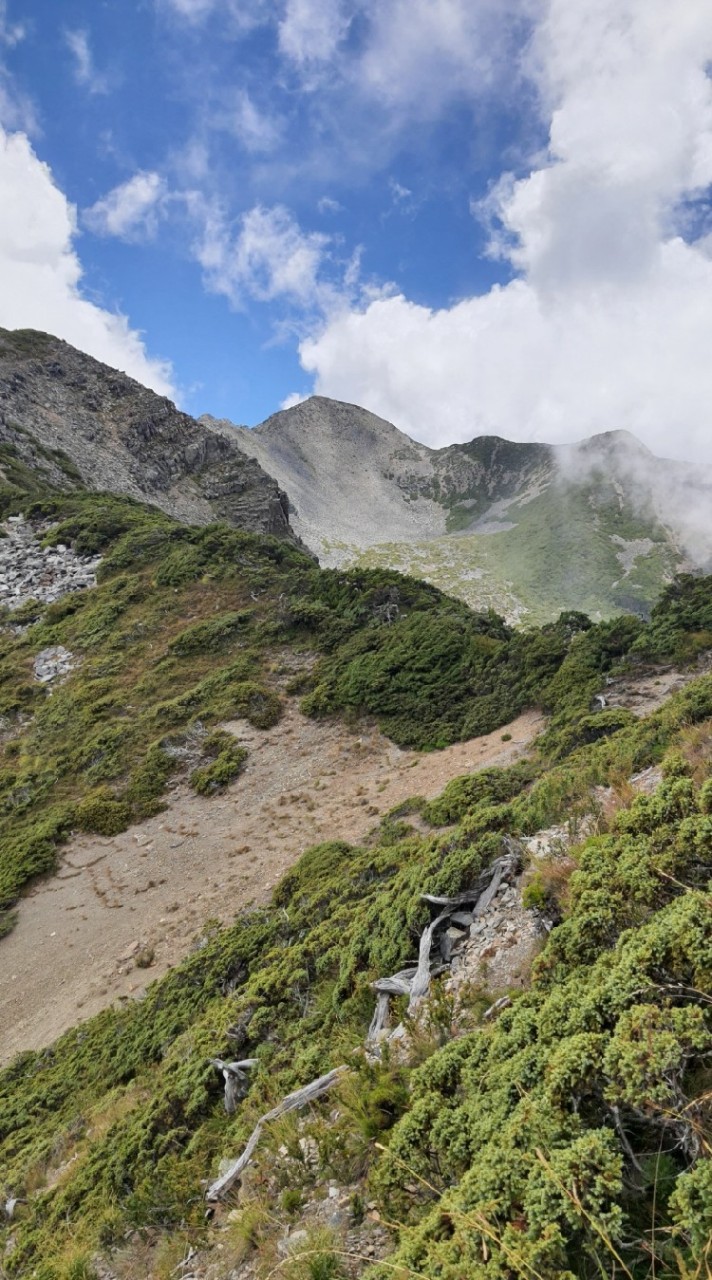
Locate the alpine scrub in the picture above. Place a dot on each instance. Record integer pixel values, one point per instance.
(568, 1136)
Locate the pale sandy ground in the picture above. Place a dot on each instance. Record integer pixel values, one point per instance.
(154, 886)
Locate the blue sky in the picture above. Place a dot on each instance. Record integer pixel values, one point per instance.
(468, 215)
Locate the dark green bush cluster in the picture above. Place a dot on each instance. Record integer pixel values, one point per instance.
(680, 623)
(227, 760)
(540, 1133)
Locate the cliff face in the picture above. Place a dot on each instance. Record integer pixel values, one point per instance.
(76, 421)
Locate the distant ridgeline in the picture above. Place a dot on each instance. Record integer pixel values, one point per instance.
(529, 530)
(568, 1136)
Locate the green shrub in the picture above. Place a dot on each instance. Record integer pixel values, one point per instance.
(227, 762)
(101, 813)
(212, 635)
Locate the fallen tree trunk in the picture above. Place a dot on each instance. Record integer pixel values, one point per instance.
(420, 983)
(292, 1102)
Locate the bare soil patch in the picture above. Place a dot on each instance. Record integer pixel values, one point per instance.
(142, 898)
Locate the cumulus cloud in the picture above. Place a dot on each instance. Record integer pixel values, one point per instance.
(85, 72)
(607, 322)
(41, 272)
(131, 211)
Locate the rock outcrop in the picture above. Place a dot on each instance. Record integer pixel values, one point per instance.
(72, 421)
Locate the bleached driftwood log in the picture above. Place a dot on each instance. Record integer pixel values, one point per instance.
(503, 1003)
(292, 1102)
(415, 983)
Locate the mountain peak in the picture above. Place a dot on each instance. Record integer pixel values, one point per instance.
(618, 441)
(323, 417)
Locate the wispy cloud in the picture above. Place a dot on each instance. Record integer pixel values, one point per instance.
(411, 57)
(131, 211)
(238, 114)
(17, 110)
(326, 204)
(11, 33)
(85, 71)
(267, 257)
(243, 15)
(311, 31)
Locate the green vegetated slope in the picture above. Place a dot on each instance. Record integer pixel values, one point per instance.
(575, 546)
(188, 627)
(569, 1137)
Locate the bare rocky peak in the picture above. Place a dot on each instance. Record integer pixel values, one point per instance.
(77, 421)
(355, 480)
(350, 476)
(498, 522)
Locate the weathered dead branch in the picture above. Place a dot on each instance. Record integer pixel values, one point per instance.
(415, 982)
(235, 1077)
(292, 1102)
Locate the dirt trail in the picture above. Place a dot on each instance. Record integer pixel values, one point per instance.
(151, 889)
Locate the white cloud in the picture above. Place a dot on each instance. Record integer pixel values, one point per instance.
(292, 400)
(257, 131)
(132, 210)
(11, 33)
(41, 272)
(608, 322)
(267, 257)
(312, 30)
(328, 205)
(85, 72)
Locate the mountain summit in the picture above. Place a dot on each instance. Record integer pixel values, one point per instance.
(526, 528)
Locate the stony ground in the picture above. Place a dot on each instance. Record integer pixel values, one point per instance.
(29, 571)
(143, 897)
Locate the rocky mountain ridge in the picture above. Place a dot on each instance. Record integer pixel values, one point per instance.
(525, 528)
(73, 422)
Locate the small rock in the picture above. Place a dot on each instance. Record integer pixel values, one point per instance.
(292, 1243)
